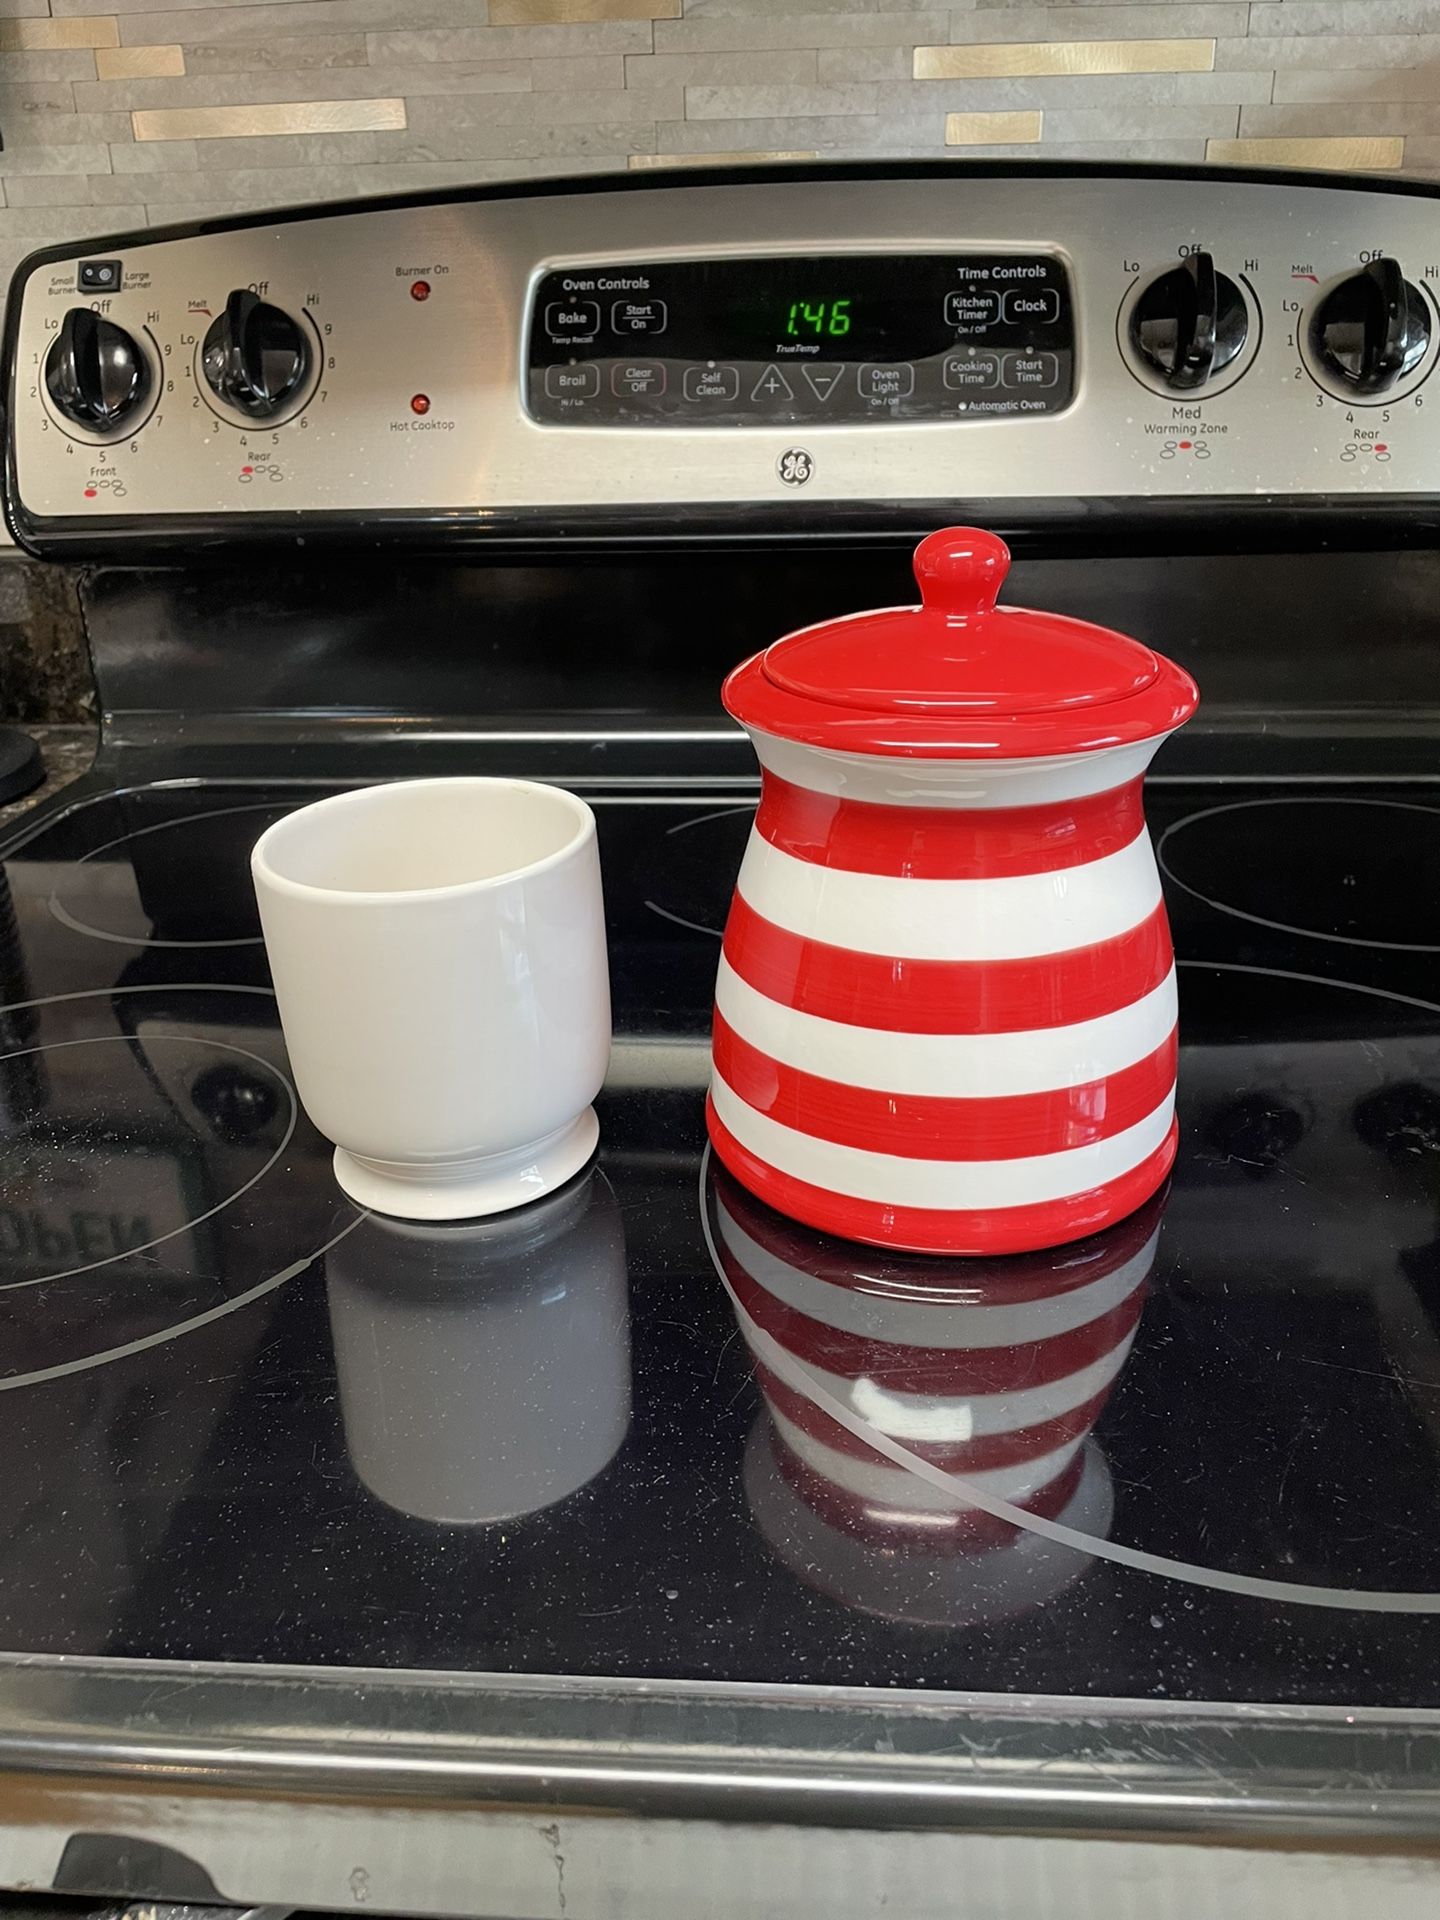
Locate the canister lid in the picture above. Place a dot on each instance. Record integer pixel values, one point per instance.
(959, 676)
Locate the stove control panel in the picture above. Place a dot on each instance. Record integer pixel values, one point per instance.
(803, 340)
(687, 355)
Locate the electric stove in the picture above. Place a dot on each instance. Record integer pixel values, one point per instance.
(211, 1356)
(644, 1502)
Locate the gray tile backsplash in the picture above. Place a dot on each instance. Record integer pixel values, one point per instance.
(139, 112)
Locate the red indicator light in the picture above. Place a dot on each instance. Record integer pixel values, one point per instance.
(1380, 447)
(247, 469)
(91, 492)
(1185, 445)
(419, 289)
(419, 403)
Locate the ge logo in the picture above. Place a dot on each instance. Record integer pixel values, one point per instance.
(795, 466)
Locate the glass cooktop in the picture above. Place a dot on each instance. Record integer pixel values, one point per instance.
(624, 1432)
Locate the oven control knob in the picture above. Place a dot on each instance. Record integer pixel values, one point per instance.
(255, 356)
(1189, 323)
(1372, 329)
(95, 373)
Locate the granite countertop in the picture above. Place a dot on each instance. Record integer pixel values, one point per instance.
(67, 752)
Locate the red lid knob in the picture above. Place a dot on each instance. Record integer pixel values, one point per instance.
(961, 571)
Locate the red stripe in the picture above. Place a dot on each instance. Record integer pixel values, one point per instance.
(1049, 1223)
(933, 1127)
(946, 996)
(866, 1517)
(890, 1279)
(945, 1373)
(980, 1455)
(946, 843)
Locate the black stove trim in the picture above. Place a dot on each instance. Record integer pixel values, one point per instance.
(1058, 526)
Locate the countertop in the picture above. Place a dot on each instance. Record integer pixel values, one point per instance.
(67, 752)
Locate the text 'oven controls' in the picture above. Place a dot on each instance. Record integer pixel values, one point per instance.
(1188, 325)
(255, 357)
(1370, 330)
(95, 373)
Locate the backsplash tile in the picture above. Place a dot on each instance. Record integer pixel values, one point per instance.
(751, 158)
(1340, 150)
(155, 110)
(1168, 20)
(140, 63)
(89, 30)
(514, 13)
(1008, 59)
(992, 129)
(289, 116)
(285, 55)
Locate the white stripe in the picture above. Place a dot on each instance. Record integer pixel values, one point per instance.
(956, 1185)
(959, 1418)
(958, 1065)
(945, 1322)
(1020, 917)
(889, 1486)
(908, 780)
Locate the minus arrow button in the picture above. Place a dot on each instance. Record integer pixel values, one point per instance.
(823, 380)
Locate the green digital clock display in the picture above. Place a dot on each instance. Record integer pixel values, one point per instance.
(818, 319)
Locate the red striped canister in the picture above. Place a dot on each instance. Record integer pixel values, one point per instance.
(945, 1011)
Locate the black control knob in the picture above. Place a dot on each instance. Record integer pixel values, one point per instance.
(255, 356)
(95, 372)
(1372, 329)
(1189, 323)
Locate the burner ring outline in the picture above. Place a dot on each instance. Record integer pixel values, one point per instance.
(1285, 926)
(67, 919)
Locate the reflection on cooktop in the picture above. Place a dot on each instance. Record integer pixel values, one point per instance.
(942, 1419)
(246, 1422)
(484, 1370)
(147, 1182)
(992, 1371)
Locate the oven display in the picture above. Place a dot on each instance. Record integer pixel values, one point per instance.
(819, 319)
(811, 340)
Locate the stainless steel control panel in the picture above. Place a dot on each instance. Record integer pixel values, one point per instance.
(1206, 336)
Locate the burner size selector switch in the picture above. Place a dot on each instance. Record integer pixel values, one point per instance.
(1188, 326)
(96, 374)
(1369, 330)
(255, 357)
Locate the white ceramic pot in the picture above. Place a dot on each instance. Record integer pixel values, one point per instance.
(438, 953)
